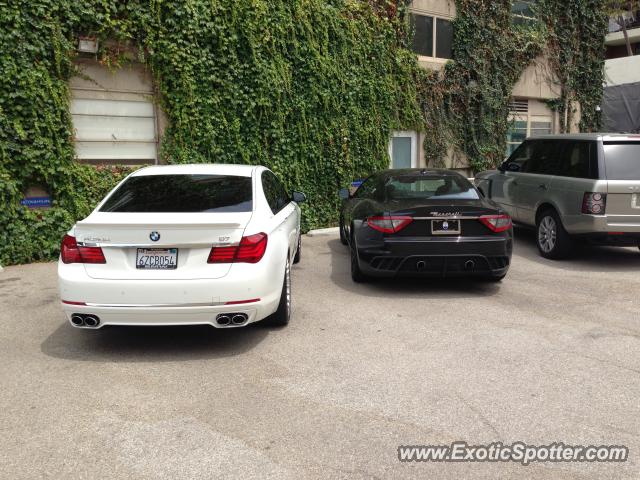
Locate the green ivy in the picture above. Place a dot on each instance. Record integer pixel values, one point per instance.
(309, 88)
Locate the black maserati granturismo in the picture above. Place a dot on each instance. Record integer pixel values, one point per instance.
(424, 222)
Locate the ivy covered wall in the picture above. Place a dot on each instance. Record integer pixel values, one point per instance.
(310, 88)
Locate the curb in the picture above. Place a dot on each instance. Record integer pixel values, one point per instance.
(323, 231)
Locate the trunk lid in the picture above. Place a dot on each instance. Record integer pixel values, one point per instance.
(192, 234)
(423, 215)
(623, 202)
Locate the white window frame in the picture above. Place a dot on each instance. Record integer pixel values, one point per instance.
(530, 118)
(435, 28)
(414, 146)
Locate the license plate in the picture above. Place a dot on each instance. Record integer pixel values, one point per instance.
(445, 227)
(157, 258)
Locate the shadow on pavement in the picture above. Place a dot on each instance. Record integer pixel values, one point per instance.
(585, 257)
(405, 287)
(151, 344)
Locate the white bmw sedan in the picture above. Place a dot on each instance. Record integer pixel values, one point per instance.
(184, 245)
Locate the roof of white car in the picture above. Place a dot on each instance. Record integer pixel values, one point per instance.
(197, 169)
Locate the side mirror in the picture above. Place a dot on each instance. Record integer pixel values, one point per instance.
(299, 197)
(343, 193)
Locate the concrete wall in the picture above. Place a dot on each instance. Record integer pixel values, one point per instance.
(619, 71)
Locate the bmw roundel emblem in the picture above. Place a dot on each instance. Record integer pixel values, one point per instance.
(154, 236)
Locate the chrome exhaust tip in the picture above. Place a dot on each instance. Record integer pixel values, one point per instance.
(469, 265)
(223, 320)
(77, 320)
(239, 319)
(91, 321)
(421, 265)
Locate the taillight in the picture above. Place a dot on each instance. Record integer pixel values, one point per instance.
(250, 250)
(594, 203)
(389, 223)
(496, 223)
(70, 252)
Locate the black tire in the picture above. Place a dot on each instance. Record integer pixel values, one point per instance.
(356, 274)
(552, 239)
(282, 315)
(298, 255)
(343, 235)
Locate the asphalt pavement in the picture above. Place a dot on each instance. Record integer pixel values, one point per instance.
(551, 354)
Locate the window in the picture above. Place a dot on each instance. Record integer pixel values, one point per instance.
(403, 150)
(432, 37)
(524, 124)
(523, 12)
(545, 157)
(182, 193)
(438, 187)
(274, 192)
(519, 158)
(367, 189)
(622, 160)
(579, 160)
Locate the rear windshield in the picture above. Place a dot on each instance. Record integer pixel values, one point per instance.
(182, 193)
(437, 187)
(622, 160)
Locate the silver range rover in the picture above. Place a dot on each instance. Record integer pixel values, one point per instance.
(583, 187)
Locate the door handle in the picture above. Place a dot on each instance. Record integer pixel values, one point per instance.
(542, 186)
(515, 182)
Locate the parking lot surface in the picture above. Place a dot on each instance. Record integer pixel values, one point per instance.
(550, 354)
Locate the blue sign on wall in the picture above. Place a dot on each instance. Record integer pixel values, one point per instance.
(356, 183)
(36, 202)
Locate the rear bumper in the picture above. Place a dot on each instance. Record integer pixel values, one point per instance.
(167, 315)
(441, 257)
(170, 302)
(589, 224)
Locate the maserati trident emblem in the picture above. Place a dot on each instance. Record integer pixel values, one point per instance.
(445, 225)
(154, 236)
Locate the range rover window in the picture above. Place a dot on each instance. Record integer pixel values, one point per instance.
(519, 158)
(545, 157)
(579, 160)
(622, 160)
(182, 193)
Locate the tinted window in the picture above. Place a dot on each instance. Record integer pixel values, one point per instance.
(519, 158)
(367, 189)
(444, 38)
(437, 187)
(182, 193)
(579, 160)
(422, 35)
(274, 192)
(545, 157)
(622, 160)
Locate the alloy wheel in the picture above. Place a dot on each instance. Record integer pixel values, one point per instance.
(547, 232)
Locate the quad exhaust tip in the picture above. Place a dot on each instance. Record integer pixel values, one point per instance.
(470, 265)
(231, 319)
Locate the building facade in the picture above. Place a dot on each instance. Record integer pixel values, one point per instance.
(433, 39)
(117, 119)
